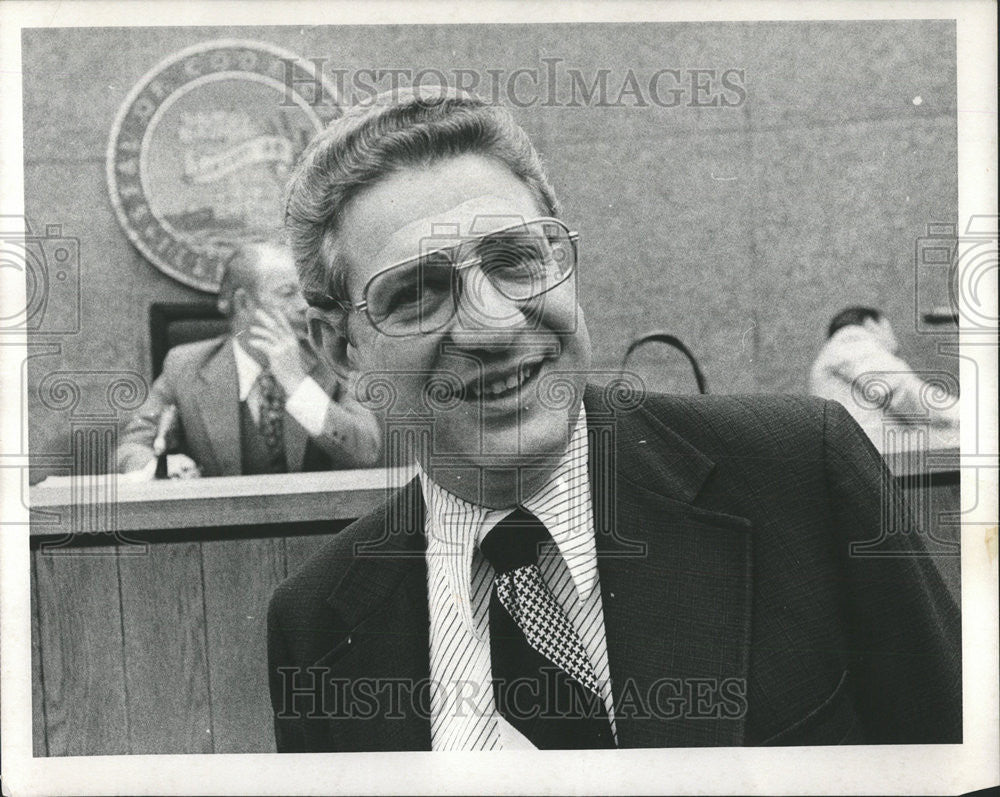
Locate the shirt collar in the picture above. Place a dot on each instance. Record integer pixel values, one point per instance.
(455, 526)
(247, 370)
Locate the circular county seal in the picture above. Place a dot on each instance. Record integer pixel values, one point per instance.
(202, 146)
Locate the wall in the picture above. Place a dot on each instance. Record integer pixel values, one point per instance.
(740, 229)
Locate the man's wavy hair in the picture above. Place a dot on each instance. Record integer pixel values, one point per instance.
(397, 130)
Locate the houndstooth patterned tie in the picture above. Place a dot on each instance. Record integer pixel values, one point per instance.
(272, 411)
(534, 645)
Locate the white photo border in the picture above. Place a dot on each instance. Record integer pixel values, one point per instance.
(916, 769)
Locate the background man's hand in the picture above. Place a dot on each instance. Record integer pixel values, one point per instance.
(181, 466)
(273, 338)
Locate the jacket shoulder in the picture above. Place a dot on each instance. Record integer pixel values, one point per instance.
(768, 420)
(767, 442)
(305, 591)
(190, 356)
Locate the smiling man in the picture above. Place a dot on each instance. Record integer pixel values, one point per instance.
(571, 568)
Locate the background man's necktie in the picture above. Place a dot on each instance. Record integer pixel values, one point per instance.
(543, 681)
(272, 409)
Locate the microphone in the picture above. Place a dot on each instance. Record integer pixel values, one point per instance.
(166, 422)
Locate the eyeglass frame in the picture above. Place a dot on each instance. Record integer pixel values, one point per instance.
(348, 306)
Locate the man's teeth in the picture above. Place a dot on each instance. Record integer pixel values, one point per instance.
(502, 386)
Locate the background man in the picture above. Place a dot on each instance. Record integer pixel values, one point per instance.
(858, 367)
(572, 567)
(257, 400)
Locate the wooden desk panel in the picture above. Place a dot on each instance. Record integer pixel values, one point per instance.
(84, 703)
(162, 648)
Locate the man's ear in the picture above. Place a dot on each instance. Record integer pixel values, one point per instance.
(240, 301)
(328, 336)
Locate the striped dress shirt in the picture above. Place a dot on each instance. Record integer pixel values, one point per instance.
(459, 584)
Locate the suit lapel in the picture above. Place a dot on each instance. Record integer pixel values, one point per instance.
(218, 402)
(675, 583)
(382, 599)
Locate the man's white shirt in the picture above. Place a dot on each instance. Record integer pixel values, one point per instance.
(307, 404)
(880, 390)
(460, 581)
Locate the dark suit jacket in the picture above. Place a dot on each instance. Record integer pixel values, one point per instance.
(200, 379)
(744, 509)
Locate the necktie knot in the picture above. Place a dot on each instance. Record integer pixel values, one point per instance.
(514, 541)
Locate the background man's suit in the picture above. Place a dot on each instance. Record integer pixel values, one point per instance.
(746, 509)
(201, 380)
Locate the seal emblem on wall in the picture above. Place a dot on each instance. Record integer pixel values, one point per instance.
(202, 146)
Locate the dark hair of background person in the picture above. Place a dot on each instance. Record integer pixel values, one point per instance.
(852, 316)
